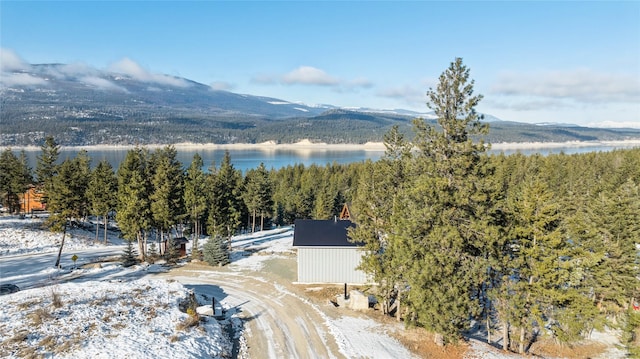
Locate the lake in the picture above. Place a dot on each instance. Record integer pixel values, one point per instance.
(244, 159)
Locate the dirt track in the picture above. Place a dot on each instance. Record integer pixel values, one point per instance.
(278, 323)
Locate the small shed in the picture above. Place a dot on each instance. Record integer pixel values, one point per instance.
(180, 244)
(325, 254)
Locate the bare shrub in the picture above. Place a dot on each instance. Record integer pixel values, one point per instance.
(191, 321)
(56, 300)
(38, 316)
(48, 343)
(174, 338)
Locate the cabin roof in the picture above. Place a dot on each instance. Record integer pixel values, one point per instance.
(322, 233)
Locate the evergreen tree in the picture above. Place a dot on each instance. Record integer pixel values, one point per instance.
(195, 200)
(172, 252)
(133, 209)
(216, 251)
(439, 220)
(258, 196)
(128, 257)
(15, 177)
(167, 193)
(225, 201)
(540, 266)
(67, 199)
(46, 165)
(152, 252)
(378, 186)
(102, 193)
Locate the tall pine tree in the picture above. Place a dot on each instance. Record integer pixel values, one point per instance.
(195, 201)
(102, 193)
(133, 209)
(439, 220)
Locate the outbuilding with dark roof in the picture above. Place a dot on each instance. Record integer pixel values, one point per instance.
(325, 254)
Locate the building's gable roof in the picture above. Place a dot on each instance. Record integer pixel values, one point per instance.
(322, 233)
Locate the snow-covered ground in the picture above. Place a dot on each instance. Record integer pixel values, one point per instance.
(111, 311)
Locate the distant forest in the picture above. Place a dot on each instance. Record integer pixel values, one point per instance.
(334, 126)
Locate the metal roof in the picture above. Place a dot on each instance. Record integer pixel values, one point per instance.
(322, 233)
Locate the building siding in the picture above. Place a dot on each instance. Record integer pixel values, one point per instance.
(330, 265)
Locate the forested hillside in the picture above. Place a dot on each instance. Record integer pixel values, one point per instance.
(534, 247)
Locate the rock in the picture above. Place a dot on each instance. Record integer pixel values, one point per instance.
(358, 300)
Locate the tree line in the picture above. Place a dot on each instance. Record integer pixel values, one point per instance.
(531, 246)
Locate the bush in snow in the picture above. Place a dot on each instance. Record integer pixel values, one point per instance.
(152, 252)
(172, 252)
(216, 251)
(129, 255)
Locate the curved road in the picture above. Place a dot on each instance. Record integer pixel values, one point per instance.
(279, 323)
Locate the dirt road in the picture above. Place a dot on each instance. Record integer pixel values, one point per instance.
(280, 322)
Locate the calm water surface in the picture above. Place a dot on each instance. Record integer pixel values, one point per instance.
(279, 158)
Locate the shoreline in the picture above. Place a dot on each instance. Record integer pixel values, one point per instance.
(322, 146)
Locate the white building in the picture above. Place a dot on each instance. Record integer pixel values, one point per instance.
(325, 254)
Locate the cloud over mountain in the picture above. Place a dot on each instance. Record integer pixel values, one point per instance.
(312, 76)
(130, 68)
(10, 61)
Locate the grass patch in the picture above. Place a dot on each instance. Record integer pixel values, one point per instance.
(38, 316)
(17, 338)
(29, 304)
(48, 343)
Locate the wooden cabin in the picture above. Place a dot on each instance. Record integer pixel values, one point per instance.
(31, 200)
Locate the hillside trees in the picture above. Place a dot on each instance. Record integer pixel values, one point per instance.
(102, 193)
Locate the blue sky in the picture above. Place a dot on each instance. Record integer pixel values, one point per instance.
(570, 62)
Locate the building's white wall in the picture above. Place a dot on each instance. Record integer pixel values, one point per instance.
(330, 265)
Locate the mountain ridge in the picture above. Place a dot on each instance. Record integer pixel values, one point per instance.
(80, 105)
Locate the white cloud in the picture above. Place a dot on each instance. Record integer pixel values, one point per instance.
(309, 75)
(21, 79)
(360, 82)
(10, 61)
(406, 93)
(264, 79)
(101, 83)
(129, 67)
(579, 85)
(221, 86)
(528, 104)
